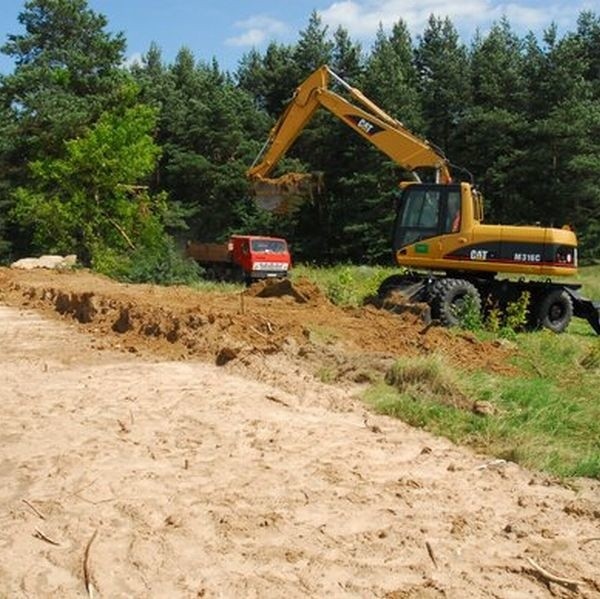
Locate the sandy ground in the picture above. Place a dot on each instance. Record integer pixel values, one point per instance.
(199, 480)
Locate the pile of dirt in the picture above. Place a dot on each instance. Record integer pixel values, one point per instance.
(302, 291)
(294, 320)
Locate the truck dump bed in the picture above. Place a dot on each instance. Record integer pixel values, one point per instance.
(208, 252)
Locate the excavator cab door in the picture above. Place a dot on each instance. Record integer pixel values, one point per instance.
(427, 211)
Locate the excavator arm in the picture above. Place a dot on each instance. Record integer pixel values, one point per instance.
(366, 118)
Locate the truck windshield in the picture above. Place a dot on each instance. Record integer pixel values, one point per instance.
(269, 246)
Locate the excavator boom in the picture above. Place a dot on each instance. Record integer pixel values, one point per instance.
(366, 118)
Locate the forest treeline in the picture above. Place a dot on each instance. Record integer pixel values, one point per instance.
(118, 164)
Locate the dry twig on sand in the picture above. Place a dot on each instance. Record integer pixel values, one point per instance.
(430, 552)
(549, 577)
(258, 332)
(124, 428)
(277, 400)
(33, 509)
(40, 535)
(86, 568)
(590, 540)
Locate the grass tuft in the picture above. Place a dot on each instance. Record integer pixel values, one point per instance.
(428, 377)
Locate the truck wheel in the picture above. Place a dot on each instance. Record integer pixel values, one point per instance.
(450, 298)
(555, 310)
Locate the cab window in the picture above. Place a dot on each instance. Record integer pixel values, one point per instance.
(420, 215)
(270, 246)
(421, 209)
(452, 220)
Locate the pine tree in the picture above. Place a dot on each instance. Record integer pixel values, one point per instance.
(497, 69)
(588, 32)
(390, 78)
(313, 48)
(346, 55)
(444, 84)
(496, 127)
(209, 130)
(67, 73)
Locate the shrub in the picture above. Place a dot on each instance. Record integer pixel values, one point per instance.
(469, 314)
(159, 263)
(517, 313)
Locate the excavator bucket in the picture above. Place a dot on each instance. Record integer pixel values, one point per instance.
(287, 193)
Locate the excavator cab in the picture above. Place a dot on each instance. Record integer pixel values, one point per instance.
(425, 211)
(430, 216)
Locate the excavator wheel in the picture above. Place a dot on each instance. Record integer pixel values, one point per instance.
(448, 299)
(555, 310)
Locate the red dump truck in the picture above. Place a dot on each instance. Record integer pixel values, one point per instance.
(242, 258)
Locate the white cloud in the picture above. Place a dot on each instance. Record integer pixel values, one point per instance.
(132, 60)
(362, 17)
(256, 30)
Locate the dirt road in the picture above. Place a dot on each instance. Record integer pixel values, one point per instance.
(201, 481)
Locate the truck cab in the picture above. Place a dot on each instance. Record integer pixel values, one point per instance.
(260, 257)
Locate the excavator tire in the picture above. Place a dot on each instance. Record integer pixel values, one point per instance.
(555, 310)
(448, 300)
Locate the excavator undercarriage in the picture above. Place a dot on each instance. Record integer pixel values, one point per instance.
(550, 305)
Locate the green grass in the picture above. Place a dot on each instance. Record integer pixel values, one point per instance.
(345, 285)
(546, 418)
(217, 286)
(350, 285)
(590, 277)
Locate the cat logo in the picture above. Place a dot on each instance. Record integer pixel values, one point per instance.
(365, 125)
(478, 254)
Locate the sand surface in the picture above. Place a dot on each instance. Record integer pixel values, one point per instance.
(200, 480)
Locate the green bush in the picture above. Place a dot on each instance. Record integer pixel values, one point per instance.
(159, 263)
(469, 314)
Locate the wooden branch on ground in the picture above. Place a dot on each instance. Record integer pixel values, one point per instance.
(40, 535)
(277, 400)
(33, 509)
(430, 552)
(549, 577)
(86, 568)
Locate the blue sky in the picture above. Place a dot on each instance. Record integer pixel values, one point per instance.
(226, 29)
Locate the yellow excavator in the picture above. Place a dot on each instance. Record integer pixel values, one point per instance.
(449, 254)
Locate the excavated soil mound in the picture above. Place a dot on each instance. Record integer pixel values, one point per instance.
(274, 317)
(303, 291)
